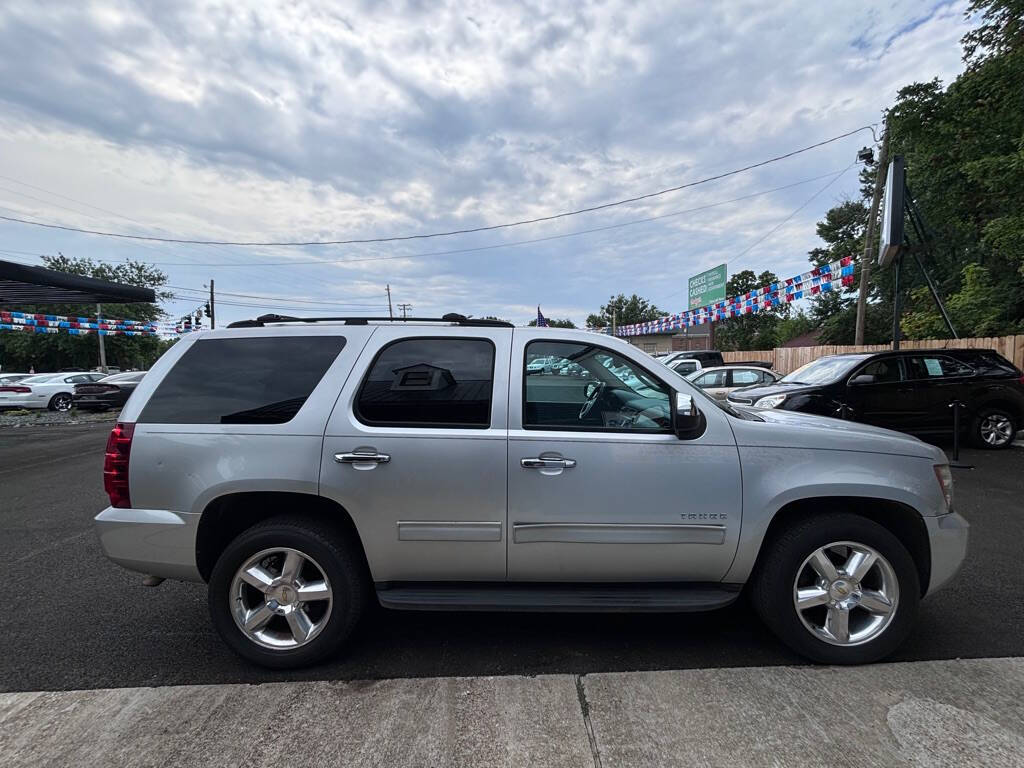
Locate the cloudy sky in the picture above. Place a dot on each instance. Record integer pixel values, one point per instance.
(252, 121)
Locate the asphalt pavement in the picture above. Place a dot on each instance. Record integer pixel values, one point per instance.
(73, 620)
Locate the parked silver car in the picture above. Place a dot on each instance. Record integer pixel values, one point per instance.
(45, 390)
(719, 381)
(303, 469)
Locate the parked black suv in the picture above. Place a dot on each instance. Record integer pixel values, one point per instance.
(910, 390)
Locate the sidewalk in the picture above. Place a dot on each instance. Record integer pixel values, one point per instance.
(955, 713)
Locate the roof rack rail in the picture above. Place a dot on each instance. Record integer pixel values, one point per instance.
(451, 317)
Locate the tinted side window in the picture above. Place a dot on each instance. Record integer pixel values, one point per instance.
(993, 364)
(684, 367)
(886, 370)
(936, 366)
(429, 382)
(242, 381)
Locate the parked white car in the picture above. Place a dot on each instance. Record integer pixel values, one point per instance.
(46, 390)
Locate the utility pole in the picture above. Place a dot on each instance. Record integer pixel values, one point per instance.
(404, 307)
(613, 321)
(213, 323)
(869, 238)
(103, 351)
(391, 313)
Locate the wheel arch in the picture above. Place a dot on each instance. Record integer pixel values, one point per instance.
(225, 517)
(901, 520)
(1004, 403)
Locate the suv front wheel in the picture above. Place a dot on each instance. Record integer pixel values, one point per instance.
(837, 588)
(287, 592)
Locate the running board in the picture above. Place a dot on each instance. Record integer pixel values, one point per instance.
(531, 597)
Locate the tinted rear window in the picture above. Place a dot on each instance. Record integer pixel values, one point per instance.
(242, 381)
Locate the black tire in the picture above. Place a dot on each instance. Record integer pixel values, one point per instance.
(777, 570)
(332, 551)
(985, 414)
(59, 401)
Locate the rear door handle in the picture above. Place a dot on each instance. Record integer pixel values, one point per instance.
(360, 458)
(539, 463)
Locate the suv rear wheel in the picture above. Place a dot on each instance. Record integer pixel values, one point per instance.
(837, 588)
(287, 592)
(994, 428)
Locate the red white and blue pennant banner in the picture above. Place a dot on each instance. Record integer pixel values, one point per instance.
(818, 280)
(54, 323)
(72, 331)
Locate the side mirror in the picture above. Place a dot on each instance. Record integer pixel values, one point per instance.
(688, 422)
(864, 378)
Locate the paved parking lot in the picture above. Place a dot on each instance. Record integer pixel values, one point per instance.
(73, 620)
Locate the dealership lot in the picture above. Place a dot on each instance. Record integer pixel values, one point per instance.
(74, 620)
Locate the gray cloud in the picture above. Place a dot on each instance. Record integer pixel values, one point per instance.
(406, 116)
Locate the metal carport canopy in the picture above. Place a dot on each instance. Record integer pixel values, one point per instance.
(22, 284)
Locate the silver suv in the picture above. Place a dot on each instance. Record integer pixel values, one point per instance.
(305, 469)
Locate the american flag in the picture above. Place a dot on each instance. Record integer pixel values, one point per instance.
(542, 322)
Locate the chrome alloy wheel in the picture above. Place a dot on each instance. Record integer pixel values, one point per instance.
(281, 598)
(996, 429)
(62, 403)
(846, 593)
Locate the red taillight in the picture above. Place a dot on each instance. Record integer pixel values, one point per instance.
(115, 465)
(15, 389)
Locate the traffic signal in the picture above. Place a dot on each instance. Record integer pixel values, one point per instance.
(206, 309)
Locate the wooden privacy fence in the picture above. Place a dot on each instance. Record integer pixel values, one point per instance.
(788, 359)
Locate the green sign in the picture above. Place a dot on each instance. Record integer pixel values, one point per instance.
(707, 287)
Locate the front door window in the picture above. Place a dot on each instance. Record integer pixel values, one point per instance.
(600, 391)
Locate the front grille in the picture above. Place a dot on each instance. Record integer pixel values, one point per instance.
(741, 400)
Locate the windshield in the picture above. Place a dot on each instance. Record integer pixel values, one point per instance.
(823, 370)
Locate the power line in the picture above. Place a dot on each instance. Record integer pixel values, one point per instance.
(782, 223)
(509, 244)
(396, 238)
(276, 305)
(346, 300)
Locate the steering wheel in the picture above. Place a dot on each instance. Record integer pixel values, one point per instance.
(592, 397)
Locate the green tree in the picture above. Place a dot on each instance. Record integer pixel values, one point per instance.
(797, 324)
(627, 311)
(964, 150)
(976, 305)
(835, 312)
(554, 323)
(756, 330)
(50, 352)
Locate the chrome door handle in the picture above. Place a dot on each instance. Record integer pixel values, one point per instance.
(539, 463)
(359, 458)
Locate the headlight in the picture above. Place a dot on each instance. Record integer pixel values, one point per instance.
(945, 478)
(772, 401)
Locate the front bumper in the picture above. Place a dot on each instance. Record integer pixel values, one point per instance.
(948, 535)
(154, 541)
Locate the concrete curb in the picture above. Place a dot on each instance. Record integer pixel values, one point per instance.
(956, 713)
